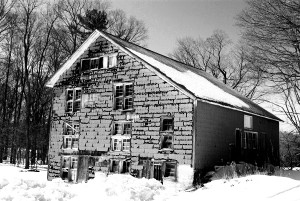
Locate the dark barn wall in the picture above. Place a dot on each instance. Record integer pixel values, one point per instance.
(153, 98)
(215, 131)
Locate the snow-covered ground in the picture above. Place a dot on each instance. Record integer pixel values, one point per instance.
(18, 184)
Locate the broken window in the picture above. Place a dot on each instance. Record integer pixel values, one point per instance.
(166, 131)
(73, 99)
(121, 136)
(71, 135)
(123, 96)
(249, 140)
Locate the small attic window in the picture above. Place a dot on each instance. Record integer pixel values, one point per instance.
(102, 62)
(248, 122)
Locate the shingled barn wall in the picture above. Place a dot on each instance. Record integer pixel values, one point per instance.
(153, 98)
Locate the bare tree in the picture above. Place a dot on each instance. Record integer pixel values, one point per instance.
(272, 29)
(129, 29)
(290, 149)
(217, 56)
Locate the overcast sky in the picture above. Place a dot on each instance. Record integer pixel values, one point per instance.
(168, 20)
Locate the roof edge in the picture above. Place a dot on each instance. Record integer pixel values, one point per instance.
(85, 45)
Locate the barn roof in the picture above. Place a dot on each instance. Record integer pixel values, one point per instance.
(195, 82)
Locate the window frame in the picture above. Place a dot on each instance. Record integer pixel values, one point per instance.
(119, 139)
(73, 137)
(170, 163)
(124, 97)
(73, 101)
(166, 133)
(105, 59)
(249, 140)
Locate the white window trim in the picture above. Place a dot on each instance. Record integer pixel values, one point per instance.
(70, 137)
(120, 140)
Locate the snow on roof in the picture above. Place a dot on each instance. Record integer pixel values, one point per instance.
(199, 86)
(194, 82)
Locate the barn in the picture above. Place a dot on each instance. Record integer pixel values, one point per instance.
(122, 108)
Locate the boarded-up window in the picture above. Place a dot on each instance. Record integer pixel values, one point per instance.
(112, 61)
(248, 122)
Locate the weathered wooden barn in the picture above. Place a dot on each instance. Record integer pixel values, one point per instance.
(119, 107)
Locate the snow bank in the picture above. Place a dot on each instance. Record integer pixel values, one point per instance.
(16, 185)
(198, 85)
(185, 175)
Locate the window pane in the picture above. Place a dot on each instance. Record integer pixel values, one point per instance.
(249, 140)
(128, 90)
(118, 129)
(244, 140)
(76, 106)
(69, 95)
(77, 94)
(119, 90)
(85, 64)
(167, 141)
(68, 144)
(127, 129)
(74, 163)
(170, 170)
(119, 103)
(94, 63)
(167, 125)
(65, 163)
(110, 61)
(100, 63)
(69, 130)
(117, 145)
(128, 103)
(75, 143)
(76, 127)
(114, 144)
(126, 144)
